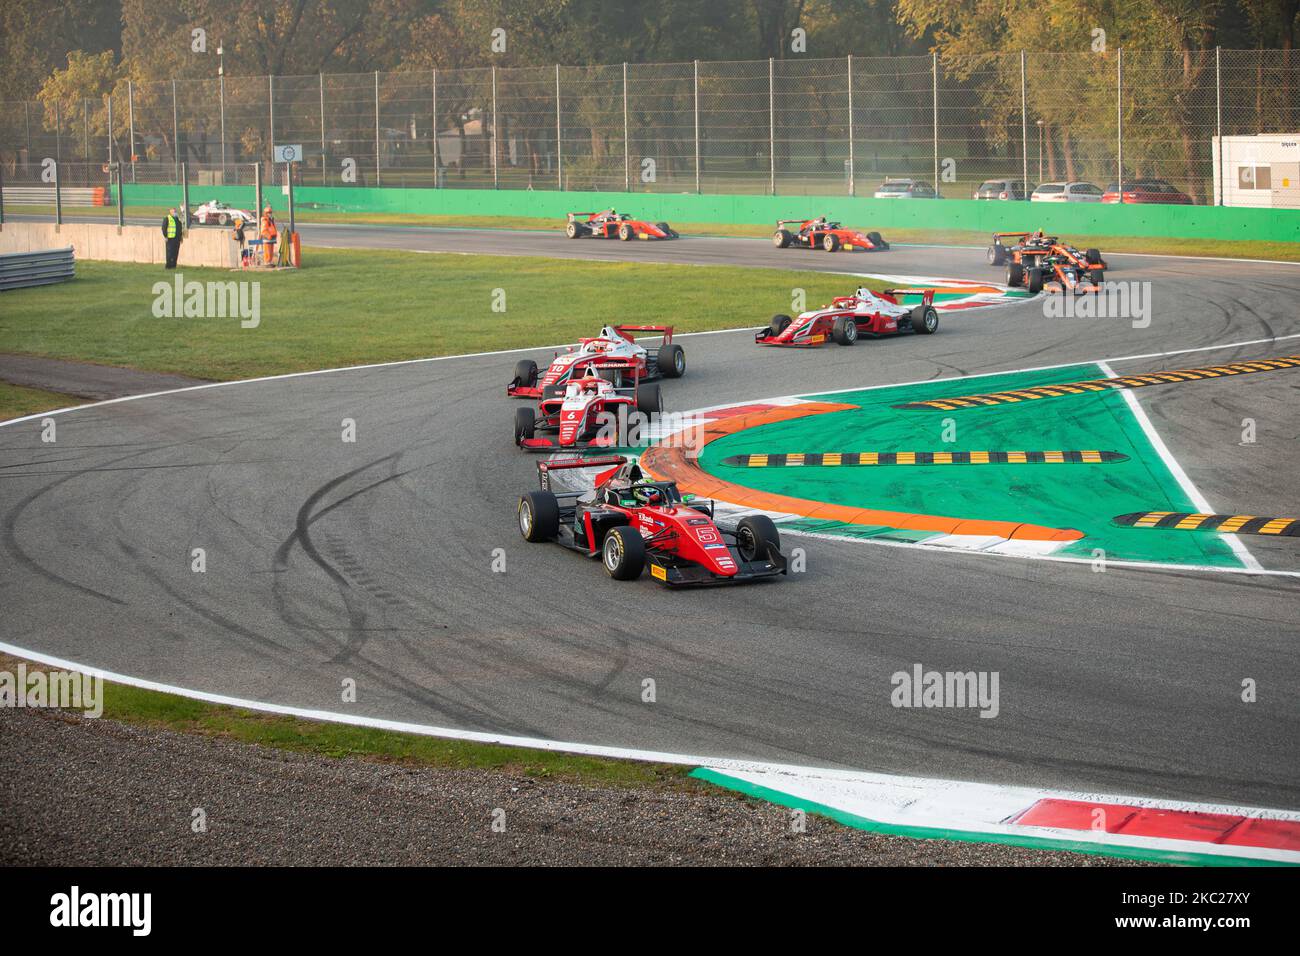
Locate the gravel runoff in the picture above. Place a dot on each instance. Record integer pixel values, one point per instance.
(86, 792)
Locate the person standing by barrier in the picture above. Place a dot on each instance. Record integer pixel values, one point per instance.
(172, 232)
(268, 236)
(240, 239)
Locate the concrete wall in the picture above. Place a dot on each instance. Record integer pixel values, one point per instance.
(1068, 219)
(202, 247)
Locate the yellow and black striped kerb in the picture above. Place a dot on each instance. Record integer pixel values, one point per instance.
(1228, 524)
(1107, 384)
(859, 458)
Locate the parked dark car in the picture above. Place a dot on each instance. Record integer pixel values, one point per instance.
(1147, 191)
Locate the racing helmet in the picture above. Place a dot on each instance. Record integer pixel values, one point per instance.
(648, 494)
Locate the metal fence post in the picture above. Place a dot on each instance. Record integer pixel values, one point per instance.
(85, 130)
(1024, 128)
(2, 196)
(121, 203)
(270, 115)
(257, 189)
(130, 116)
(1119, 123)
(377, 154)
(322, 127)
(627, 169)
(559, 135)
(435, 129)
(176, 138)
(27, 120)
(58, 132)
(697, 126)
(934, 96)
(222, 95)
(852, 164)
(496, 175)
(109, 98)
(185, 197)
(1218, 118)
(771, 125)
(58, 195)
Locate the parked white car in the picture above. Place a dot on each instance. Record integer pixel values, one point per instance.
(906, 189)
(1066, 192)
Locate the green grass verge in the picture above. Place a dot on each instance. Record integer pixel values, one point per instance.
(147, 708)
(17, 401)
(350, 307)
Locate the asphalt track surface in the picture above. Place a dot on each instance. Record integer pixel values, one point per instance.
(372, 560)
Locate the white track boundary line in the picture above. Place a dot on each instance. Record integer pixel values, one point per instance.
(1190, 489)
(970, 807)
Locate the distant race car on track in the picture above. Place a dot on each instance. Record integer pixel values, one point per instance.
(629, 521)
(821, 234)
(216, 211)
(845, 319)
(583, 413)
(1036, 262)
(614, 225)
(621, 357)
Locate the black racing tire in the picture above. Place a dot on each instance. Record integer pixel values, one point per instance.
(844, 330)
(831, 242)
(925, 320)
(526, 372)
(623, 553)
(666, 229)
(1034, 281)
(782, 238)
(671, 361)
(878, 240)
(1015, 274)
(539, 516)
(1098, 276)
(753, 534)
(778, 325)
(648, 399)
(525, 424)
(573, 230)
(625, 231)
(1093, 256)
(997, 254)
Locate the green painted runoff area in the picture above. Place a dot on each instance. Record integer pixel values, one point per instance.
(1083, 497)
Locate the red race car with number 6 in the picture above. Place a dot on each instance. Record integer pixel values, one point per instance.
(850, 316)
(630, 521)
(623, 358)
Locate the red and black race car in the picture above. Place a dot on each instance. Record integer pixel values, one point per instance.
(629, 521)
(586, 412)
(611, 224)
(849, 316)
(821, 234)
(1037, 262)
(615, 350)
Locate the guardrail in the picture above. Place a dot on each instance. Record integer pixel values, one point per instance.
(70, 195)
(19, 270)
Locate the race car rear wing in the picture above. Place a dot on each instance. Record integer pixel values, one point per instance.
(927, 295)
(544, 468)
(786, 222)
(570, 215)
(665, 330)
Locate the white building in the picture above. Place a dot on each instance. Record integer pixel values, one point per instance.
(1261, 170)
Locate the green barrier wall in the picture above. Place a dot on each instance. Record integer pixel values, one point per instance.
(1070, 219)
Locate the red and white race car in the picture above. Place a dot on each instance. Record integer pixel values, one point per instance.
(821, 234)
(629, 521)
(849, 316)
(610, 224)
(220, 213)
(589, 412)
(622, 358)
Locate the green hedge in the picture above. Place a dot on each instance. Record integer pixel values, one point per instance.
(1199, 222)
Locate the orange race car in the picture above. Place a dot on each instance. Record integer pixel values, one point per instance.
(822, 234)
(611, 224)
(1037, 262)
